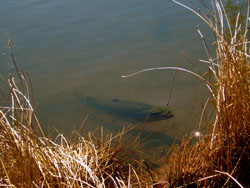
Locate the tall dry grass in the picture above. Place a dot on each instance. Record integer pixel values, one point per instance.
(220, 157)
(30, 159)
(216, 156)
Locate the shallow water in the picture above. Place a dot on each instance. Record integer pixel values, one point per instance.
(83, 46)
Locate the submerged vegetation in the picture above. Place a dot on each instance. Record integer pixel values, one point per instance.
(217, 155)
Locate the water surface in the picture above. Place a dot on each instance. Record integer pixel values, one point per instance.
(85, 46)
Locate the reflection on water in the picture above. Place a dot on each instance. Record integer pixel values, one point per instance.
(85, 46)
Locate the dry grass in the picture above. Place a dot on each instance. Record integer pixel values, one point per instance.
(30, 159)
(220, 157)
(216, 156)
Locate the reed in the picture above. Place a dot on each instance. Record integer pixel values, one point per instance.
(220, 156)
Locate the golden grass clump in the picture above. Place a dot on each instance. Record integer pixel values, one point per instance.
(30, 159)
(220, 157)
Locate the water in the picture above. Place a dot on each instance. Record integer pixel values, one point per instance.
(85, 46)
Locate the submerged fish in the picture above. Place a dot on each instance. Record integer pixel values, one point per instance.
(127, 110)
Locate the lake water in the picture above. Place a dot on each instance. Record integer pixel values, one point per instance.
(85, 46)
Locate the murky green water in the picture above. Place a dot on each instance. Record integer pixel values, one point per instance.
(83, 46)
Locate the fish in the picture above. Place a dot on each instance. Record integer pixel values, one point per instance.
(129, 111)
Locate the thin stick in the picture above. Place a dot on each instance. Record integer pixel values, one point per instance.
(225, 173)
(192, 11)
(172, 85)
(163, 68)
(14, 61)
